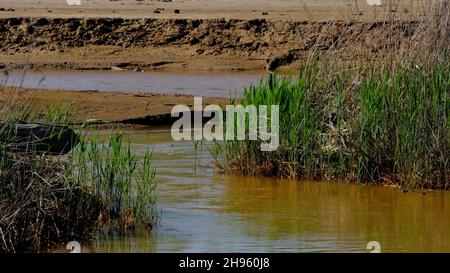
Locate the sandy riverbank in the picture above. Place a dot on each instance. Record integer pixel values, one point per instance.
(215, 44)
(204, 35)
(108, 106)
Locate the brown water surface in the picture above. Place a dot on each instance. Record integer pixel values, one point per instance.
(206, 212)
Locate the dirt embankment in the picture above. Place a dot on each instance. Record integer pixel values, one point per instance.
(106, 106)
(144, 44)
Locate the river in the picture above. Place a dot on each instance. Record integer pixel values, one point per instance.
(203, 211)
(206, 212)
(204, 83)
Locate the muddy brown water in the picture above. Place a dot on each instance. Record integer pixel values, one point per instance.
(206, 212)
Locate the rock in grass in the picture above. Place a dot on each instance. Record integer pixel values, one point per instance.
(21, 137)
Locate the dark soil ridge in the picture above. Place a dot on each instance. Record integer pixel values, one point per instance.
(280, 43)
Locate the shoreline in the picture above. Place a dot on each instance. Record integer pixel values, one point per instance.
(128, 108)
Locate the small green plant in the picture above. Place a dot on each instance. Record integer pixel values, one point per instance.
(59, 114)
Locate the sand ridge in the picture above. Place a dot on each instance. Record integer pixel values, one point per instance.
(288, 10)
(139, 108)
(185, 44)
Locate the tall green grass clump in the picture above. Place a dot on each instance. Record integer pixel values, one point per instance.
(382, 121)
(378, 126)
(126, 184)
(403, 128)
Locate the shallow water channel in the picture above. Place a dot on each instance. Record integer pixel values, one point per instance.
(206, 212)
(214, 84)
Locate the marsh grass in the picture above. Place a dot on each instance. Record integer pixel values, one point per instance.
(389, 127)
(430, 44)
(39, 207)
(385, 120)
(47, 200)
(125, 184)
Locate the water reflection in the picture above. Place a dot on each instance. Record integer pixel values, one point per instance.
(205, 212)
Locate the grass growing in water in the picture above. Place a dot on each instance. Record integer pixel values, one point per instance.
(125, 184)
(390, 127)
